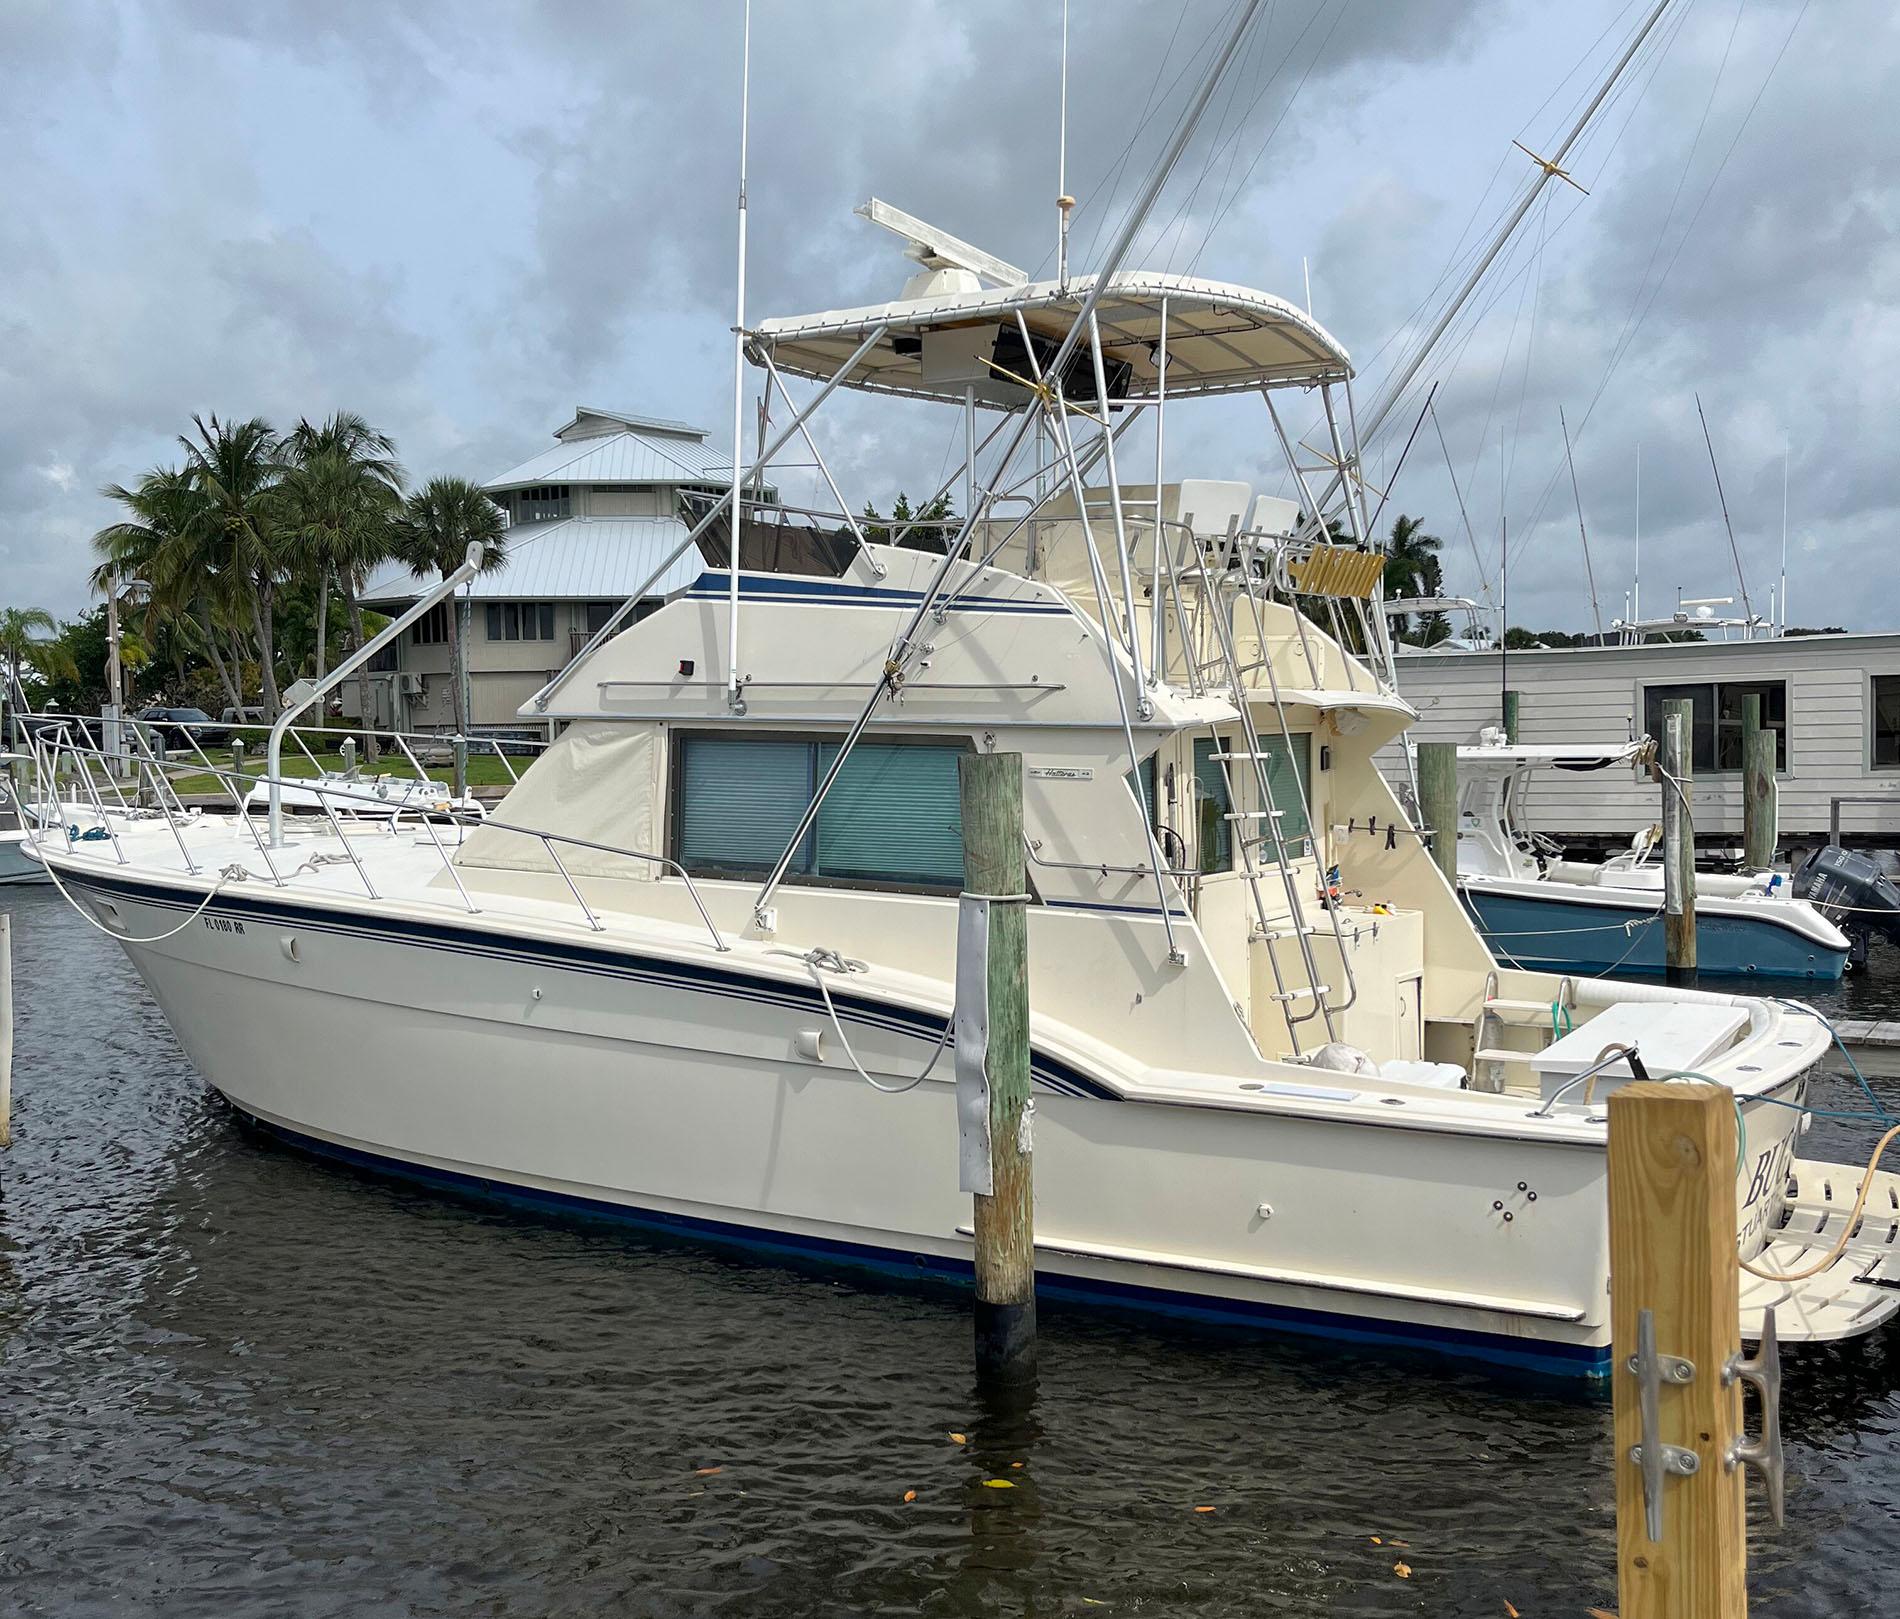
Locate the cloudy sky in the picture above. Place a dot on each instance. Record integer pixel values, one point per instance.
(461, 221)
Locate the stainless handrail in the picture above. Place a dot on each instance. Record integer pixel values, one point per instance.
(327, 792)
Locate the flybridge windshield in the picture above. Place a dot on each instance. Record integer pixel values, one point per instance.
(772, 538)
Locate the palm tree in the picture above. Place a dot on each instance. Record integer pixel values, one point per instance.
(167, 539)
(237, 466)
(439, 522)
(29, 642)
(341, 497)
(1412, 567)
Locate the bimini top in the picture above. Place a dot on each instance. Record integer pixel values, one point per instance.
(1221, 339)
(1563, 756)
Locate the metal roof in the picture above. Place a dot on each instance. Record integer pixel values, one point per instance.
(655, 424)
(1221, 338)
(574, 559)
(629, 456)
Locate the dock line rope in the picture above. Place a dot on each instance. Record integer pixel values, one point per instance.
(1852, 1223)
(822, 960)
(233, 873)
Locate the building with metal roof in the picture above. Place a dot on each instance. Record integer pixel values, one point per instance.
(589, 520)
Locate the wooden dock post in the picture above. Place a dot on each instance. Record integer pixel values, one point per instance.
(1678, 820)
(6, 1029)
(1673, 1259)
(237, 755)
(992, 802)
(1760, 818)
(1511, 704)
(461, 768)
(1438, 802)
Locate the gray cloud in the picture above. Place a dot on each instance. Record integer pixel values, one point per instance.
(461, 230)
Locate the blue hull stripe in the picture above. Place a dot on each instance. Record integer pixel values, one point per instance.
(1048, 1070)
(780, 587)
(1545, 1358)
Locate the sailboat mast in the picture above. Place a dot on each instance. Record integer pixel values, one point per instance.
(1583, 534)
(1741, 579)
(734, 699)
(1636, 579)
(1783, 597)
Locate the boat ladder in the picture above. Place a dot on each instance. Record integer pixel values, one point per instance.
(1496, 1015)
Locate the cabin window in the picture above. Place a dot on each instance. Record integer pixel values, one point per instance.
(1213, 803)
(1886, 717)
(1289, 775)
(432, 629)
(1716, 719)
(892, 818)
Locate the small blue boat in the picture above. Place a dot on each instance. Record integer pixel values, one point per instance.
(1539, 910)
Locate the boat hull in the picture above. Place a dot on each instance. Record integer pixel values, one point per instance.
(582, 1078)
(17, 867)
(1601, 935)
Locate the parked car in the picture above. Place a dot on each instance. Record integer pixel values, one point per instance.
(180, 727)
(242, 716)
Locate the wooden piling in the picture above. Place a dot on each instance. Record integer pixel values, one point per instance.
(1511, 703)
(992, 802)
(1678, 820)
(461, 768)
(1438, 802)
(237, 755)
(1672, 1253)
(1760, 815)
(6, 1029)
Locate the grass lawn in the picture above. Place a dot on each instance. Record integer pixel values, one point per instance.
(484, 769)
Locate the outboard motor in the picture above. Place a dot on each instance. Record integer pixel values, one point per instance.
(1853, 893)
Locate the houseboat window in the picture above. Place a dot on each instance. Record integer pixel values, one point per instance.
(1885, 709)
(432, 629)
(1716, 719)
(892, 817)
(521, 621)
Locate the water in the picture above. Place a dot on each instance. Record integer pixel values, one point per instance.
(236, 1380)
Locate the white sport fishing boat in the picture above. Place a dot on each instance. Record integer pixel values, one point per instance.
(1277, 1076)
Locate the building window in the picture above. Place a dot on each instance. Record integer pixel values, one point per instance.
(1715, 721)
(520, 621)
(1886, 715)
(432, 629)
(892, 818)
(543, 503)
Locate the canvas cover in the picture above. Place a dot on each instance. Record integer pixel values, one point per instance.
(599, 782)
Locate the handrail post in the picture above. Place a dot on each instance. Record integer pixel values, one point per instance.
(1681, 1533)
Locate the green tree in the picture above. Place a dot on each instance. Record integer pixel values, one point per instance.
(438, 524)
(196, 602)
(236, 467)
(342, 497)
(1412, 568)
(30, 648)
(900, 528)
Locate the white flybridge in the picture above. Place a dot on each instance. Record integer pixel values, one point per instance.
(699, 969)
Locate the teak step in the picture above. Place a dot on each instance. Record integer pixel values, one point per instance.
(1541, 1007)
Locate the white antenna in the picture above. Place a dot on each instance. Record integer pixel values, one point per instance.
(1783, 597)
(1307, 271)
(733, 698)
(1064, 202)
(1636, 581)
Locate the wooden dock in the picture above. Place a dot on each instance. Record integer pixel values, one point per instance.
(1873, 1043)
